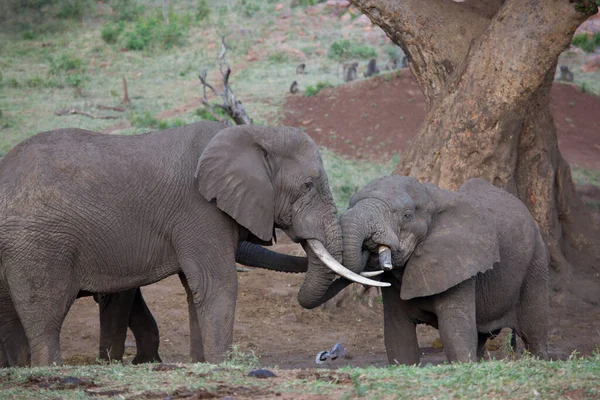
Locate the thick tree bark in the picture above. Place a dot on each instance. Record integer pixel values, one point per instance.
(486, 68)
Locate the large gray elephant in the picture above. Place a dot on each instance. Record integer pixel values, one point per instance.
(84, 211)
(121, 310)
(468, 263)
(127, 309)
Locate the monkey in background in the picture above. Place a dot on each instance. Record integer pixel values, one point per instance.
(350, 71)
(372, 68)
(300, 69)
(565, 74)
(294, 88)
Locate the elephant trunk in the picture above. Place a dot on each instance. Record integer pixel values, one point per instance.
(319, 277)
(253, 255)
(356, 226)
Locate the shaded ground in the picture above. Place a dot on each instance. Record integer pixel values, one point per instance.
(365, 119)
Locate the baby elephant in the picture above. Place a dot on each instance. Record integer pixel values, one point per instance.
(468, 263)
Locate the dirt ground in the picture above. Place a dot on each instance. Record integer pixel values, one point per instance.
(365, 119)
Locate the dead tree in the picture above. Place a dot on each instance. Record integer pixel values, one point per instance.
(231, 105)
(489, 114)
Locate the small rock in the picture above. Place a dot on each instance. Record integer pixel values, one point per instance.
(261, 374)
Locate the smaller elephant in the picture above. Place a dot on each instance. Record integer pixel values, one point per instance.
(468, 263)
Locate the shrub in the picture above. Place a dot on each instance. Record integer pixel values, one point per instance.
(126, 10)
(344, 49)
(111, 31)
(249, 7)
(312, 90)
(586, 42)
(278, 57)
(152, 31)
(65, 62)
(204, 114)
(72, 9)
(202, 10)
(144, 120)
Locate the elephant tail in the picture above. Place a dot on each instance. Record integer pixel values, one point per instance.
(253, 255)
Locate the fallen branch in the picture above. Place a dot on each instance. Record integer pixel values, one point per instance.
(73, 111)
(119, 109)
(232, 106)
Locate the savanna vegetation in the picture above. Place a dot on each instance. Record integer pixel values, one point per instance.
(60, 55)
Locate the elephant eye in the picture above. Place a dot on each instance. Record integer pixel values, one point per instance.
(307, 187)
(407, 216)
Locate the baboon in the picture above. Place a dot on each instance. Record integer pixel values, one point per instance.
(294, 88)
(565, 74)
(300, 69)
(391, 65)
(404, 62)
(372, 68)
(350, 73)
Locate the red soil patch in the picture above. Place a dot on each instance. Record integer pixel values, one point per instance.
(381, 115)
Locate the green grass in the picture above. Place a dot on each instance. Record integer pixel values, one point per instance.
(585, 176)
(585, 42)
(346, 177)
(524, 379)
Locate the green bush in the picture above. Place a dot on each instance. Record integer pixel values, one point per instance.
(312, 90)
(249, 7)
(65, 62)
(111, 31)
(37, 81)
(126, 10)
(204, 114)
(202, 10)
(72, 9)
(278, 57)
(586, 42)
(344, 49)
(152, 31)
(145, 120)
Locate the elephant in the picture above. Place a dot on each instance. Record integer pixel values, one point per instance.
(468, 262)
(128, 308)
(121, 310)
(82, 211)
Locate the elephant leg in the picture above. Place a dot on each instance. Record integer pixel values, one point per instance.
(455, 311)
(14, 346)
(400, 334)
(42, 290)
(532, 318)
(196, 347)
(144, 328)
(212, 281)
(115, 311)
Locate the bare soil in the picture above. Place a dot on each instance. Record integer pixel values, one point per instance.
(367, 119)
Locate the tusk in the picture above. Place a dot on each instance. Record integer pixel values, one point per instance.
(241, 269)
(385, 258)
(327, 259)
(369, 274)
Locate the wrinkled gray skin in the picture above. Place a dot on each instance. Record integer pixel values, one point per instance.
(128, 309)
(468, 263)
(121, 310)
(84, 211)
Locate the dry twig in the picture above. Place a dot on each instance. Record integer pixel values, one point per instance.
(232, 106)
(73, 111)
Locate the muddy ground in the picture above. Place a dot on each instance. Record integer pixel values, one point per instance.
(365, 119)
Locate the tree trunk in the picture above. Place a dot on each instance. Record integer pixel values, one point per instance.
(486, 70)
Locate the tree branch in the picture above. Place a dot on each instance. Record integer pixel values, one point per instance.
(231, 105)
(435, 35)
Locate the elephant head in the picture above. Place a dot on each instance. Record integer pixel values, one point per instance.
(433, 238)
(267, 177)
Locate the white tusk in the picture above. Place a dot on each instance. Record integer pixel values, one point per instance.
(241, 269)
(385, 258)
(369, 274)
(327, 259)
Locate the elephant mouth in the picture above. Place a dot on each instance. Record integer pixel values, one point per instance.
(386, 259)
(330, 262)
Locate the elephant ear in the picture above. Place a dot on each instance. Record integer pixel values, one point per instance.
(461, 243)
(233, 172)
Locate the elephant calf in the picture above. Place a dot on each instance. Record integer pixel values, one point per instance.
(468, 262)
